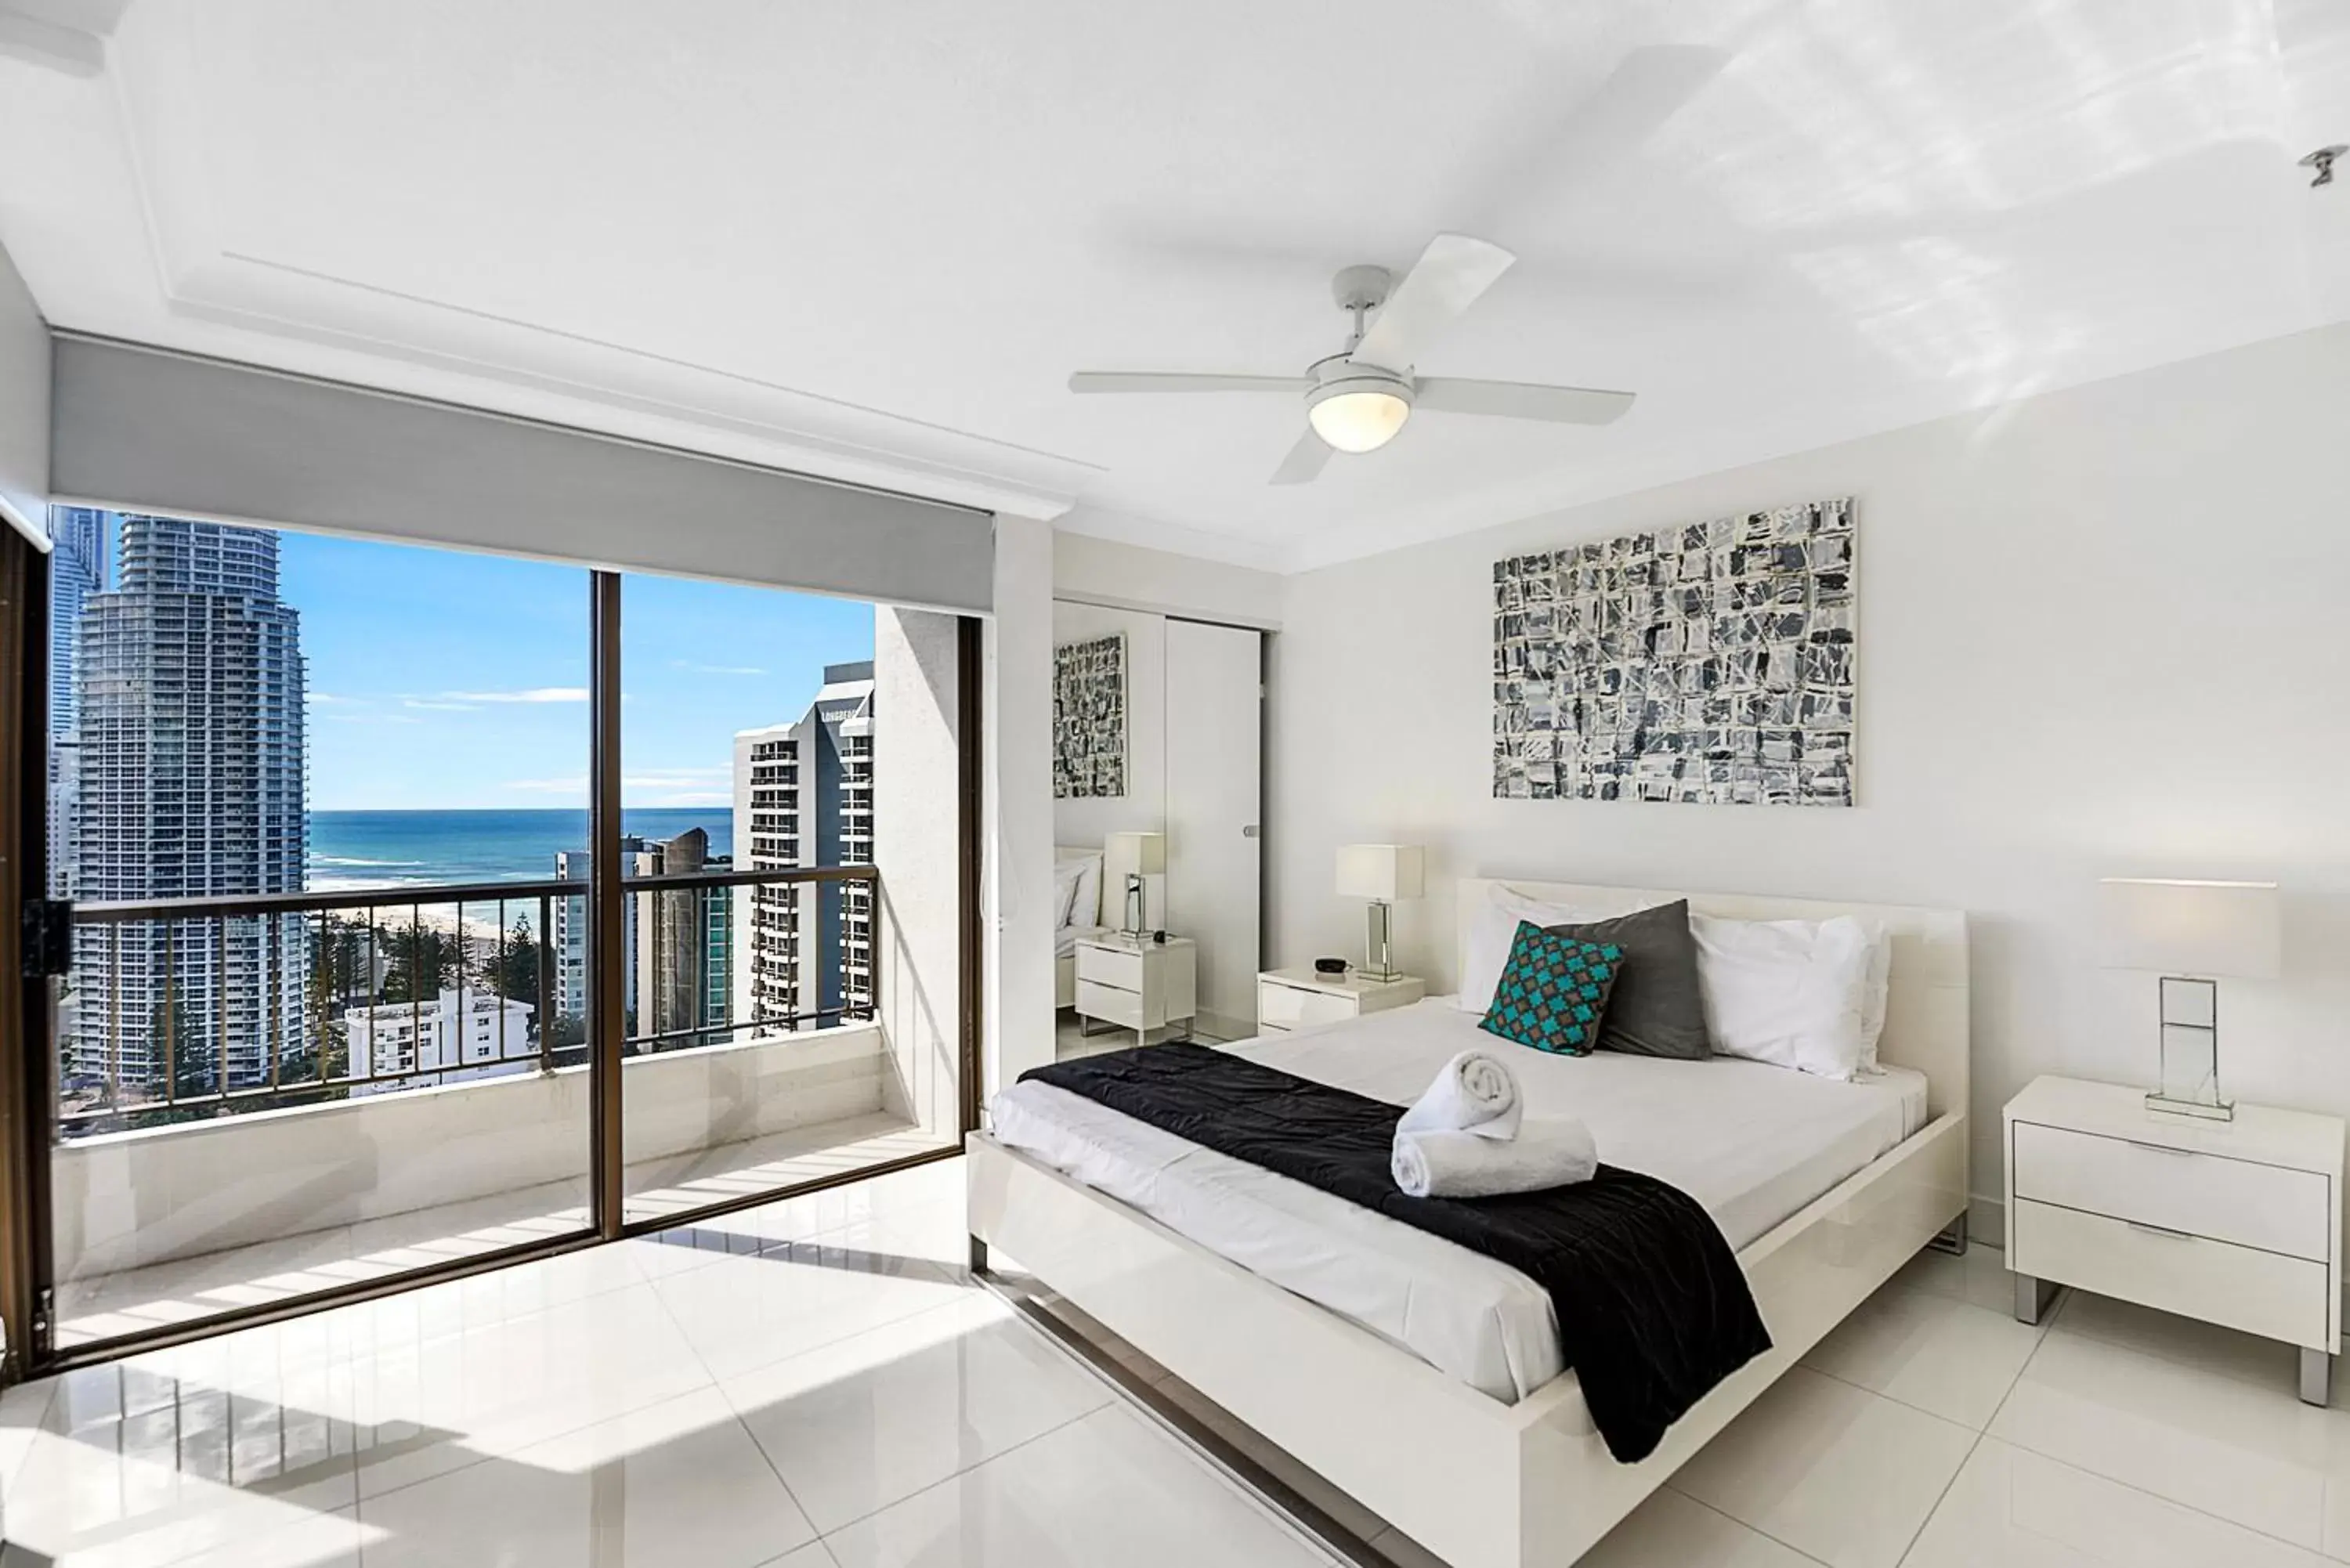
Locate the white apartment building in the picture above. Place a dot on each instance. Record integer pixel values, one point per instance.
(450, 1039)
(804, 797)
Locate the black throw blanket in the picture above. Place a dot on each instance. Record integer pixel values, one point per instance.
(1653, 1309)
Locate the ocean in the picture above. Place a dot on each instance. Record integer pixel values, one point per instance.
(352, 850)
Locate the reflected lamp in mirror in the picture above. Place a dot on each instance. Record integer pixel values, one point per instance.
(1142, 855)
(2193, 935)
(1381, 873)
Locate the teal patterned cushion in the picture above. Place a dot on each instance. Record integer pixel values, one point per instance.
(1552, 992)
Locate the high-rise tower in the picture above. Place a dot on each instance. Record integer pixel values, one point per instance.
(188, 693)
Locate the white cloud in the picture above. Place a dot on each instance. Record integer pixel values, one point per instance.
(325, 699)
(690, 668)
(555, 787)
(529, 694)
(438, 707)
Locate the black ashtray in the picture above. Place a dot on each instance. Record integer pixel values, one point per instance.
(1335, 968)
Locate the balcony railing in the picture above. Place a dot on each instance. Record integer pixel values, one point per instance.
(179, 1009)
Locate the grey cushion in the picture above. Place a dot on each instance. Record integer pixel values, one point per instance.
(1655, 1009)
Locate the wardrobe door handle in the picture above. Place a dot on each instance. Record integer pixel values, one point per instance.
(2160, 1230)
(2162, 1148)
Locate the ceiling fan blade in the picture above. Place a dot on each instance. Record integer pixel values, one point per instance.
(1520, 400)
(1446, 280)
(1184, 382)
(1304, 461)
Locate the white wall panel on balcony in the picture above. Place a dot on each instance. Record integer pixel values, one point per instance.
(143, 429)
(24, 406)
(917, 832)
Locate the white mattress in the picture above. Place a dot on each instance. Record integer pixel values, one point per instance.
(1066, 939)
(1752, 1142)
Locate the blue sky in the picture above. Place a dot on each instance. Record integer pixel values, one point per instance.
(443, 679)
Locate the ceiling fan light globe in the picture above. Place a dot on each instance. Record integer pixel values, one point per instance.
(1357, 419)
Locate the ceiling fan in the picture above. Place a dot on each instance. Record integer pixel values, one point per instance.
(1357, 399)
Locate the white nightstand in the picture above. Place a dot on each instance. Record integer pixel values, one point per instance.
(1289, 999)
(2236, 1222)
(1139, 985)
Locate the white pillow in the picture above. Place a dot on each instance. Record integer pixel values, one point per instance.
(1789, 992)
(1879, 990)
(1085, 904)
(1487, 951)
(1066, 876)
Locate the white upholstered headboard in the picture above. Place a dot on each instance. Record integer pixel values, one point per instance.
(1069, 852)
(1926, 1009)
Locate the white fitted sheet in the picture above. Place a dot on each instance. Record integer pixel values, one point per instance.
(1752, 1142)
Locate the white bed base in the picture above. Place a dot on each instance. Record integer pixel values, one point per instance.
(1481, 1483)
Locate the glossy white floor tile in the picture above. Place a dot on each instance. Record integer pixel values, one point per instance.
(1672, 1530)
(861, 1424)
(1832, 1470)
(1939, 1353)
(2252, 1455)
(1105, 1490)
(678, 1483)
(2011, 1508)
(818, 1384)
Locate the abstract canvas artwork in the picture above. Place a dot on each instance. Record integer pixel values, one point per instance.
(1089, 719)
(1708, 663)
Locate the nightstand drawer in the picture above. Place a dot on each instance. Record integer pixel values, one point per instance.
(1112, 1005)
(1108, 966)
(2259, 1293)
(2269, 1207)
(1282, 1007)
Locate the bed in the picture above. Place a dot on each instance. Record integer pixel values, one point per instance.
(1084, 920)
(1422, 1378)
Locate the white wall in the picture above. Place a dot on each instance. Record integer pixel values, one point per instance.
(1104, 572)
(917, 849)
(1018, 738)
(24, 405)
(2102, 633)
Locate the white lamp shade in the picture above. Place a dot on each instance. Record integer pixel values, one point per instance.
(1386, 871)
(2205, 930)
(1146, 852)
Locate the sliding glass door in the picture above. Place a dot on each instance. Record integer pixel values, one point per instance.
(297, 806)
(407, 911)
(768, 888)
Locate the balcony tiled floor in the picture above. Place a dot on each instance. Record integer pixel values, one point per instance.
(816, 1384)
(104, 1306)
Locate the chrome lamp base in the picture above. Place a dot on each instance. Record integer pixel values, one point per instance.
(2191, 1052)
(1378, 953)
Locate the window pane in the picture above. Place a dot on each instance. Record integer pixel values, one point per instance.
(291, 1052)
(760, 1050)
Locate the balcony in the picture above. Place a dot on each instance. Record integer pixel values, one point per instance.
(180, 1188)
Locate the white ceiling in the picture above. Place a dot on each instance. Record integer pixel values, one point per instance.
(872, 240)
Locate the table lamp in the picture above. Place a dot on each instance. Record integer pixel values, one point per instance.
(1142, 855)
(1381, 873)
(2190, 933)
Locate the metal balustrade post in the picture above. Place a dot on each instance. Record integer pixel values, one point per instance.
(170, 1041)
(547, 1015)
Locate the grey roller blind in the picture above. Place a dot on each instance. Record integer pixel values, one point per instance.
(140, 429)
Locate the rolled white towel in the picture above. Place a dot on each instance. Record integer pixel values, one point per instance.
(1447, 1164)
(1474, 1093)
